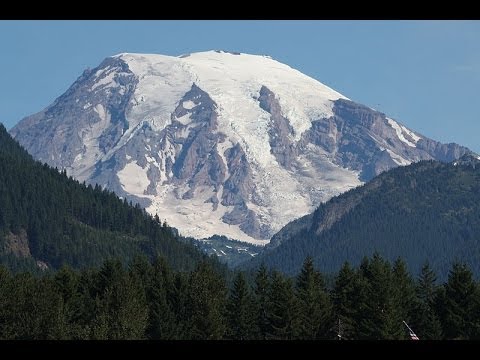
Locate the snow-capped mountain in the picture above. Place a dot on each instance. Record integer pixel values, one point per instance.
(218, 142)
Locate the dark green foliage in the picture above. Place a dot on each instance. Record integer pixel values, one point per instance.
(381, 318)
(427, 211)
(58, 221)
(460, 301)
(315, 308)
(205, 304)
(262, 286)
(241, 317)
(163, 322)
(425, 317)
(120, 304)
(282, 309)
(152, 301)
(404, 296)
(348, 299)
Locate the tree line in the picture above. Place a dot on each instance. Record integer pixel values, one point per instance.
(150, 300)
(424, 211)
(63, 221)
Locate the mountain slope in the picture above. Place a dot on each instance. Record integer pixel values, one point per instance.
(425, 211)
(218, 142)
(47, 219)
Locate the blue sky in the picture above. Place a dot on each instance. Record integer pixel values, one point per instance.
(426, 74)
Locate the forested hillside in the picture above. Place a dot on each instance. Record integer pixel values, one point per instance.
(48, 219)
(428, 211)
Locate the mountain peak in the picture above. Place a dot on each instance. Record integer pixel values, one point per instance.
(218, 142)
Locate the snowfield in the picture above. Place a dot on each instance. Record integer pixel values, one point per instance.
(189, 138)
(233, 82)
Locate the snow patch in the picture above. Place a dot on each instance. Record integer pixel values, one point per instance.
(161, 85)
(184, 120)
(108, 80)
(100, 72)
(134, 179)
(100, 110)
(197, 213)
(188, 104)
(399, 129)
(414, 136)
(398, 159)
(78, 158)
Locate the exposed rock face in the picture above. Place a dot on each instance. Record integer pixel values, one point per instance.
(93, 108)
(218, 142)
(17, 244)
(367, 141)
(280, 132)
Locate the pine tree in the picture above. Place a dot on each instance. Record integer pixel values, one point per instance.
(347, 299)
(240, 315)
(315, 308)
(162, 320)
(142, 268)
(425, 319)
(122, 304)
(66, 285)
(179, 301)
(206, 304)
(460, 302)
(262, 286)
(381, 319)
(404, 296)
(283, 314)
(50, 321)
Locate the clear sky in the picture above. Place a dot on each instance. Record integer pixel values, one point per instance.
(426, 74)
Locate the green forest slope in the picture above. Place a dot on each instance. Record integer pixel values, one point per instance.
(48, 219)
(425, 211)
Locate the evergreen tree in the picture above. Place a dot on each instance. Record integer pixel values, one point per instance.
(283, 314)
(262, 286)
(425, 319)
(240, 314)
(142, 269)
(347, 298)
(121, 305)
(315, 308)
(66, 285)
(206, 304)
(51, 321)
(162, 319)
(460, 302)
(381, 319)
(404, 296)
